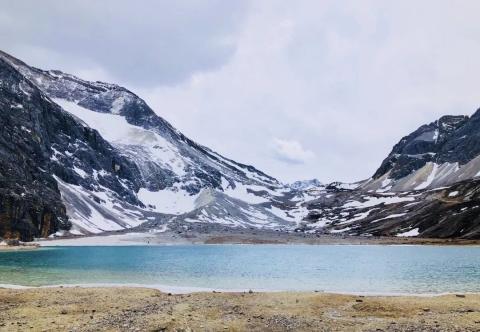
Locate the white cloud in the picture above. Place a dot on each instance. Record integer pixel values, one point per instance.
(291, 151)
(144, 42)
(346, 79)
(349, 78)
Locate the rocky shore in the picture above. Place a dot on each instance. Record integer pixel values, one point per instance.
(17, 245)
(216, 235)
(140, 309)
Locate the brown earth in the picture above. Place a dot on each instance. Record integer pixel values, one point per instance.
(141, 309)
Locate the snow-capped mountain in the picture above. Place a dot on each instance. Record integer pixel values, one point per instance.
(439, 154)
(151, 170)
(428, 186)
(80, 157)
(33, 129)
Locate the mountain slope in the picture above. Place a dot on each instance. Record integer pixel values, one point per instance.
(439, 154)
(42, 146)
(151, 172)
(428, 186)
(130, 111)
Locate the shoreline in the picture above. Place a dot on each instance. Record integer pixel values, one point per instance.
(183, 290)
(143, 309)
(241, 237)
(23, 247)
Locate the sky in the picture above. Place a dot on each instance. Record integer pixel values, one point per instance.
(299, 89)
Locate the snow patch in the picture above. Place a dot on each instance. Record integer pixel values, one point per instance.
(168, 201)
(117, 105)
(430, 178)
(392, 216)
(242, 193)
(372, 201)
(413, 232)
(115, 129)
(80, 172)
(88, 214)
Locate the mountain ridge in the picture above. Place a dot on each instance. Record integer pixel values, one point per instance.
(169, 169)
(95, 158)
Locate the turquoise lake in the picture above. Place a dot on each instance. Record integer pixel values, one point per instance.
(352, 269)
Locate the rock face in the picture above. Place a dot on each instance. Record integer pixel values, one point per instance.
(428, 143)
(441, 153)
(107, 162)
(33, 128)
(428, 186)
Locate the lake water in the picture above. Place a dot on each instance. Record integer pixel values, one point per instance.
(352, 269)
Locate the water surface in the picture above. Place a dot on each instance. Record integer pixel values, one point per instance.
(353, 269)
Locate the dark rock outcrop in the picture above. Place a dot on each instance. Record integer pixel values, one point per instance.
(34, 129)
(439, 141)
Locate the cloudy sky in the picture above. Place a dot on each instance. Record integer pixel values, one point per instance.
(300, 89)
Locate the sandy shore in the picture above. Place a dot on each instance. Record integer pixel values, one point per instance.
(140, 309)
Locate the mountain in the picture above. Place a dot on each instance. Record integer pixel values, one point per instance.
(33, 130)
(438, 154)
(80, 158)
(116, 164)
(428, 186)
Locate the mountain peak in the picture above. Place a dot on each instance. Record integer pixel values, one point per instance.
(305, 184)
(148, 169)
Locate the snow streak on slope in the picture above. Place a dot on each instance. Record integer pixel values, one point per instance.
(431, 175)
(120, 133)
(96, 212)
(373, 201)
(429, 179)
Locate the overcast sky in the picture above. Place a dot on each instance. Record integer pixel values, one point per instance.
(299, 89)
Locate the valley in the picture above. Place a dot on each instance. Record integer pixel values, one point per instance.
(100, 160)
